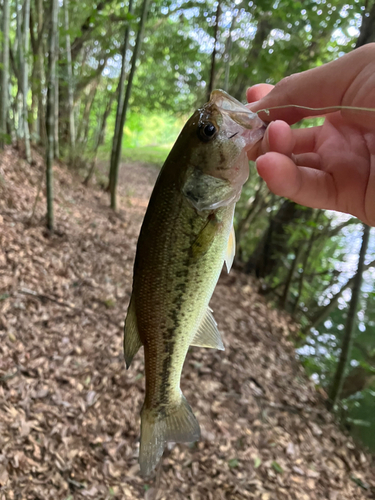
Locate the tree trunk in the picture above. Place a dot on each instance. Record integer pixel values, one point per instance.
(72, 133)
(56, 99)
(264, 28)
(288, 282)
(305, 261)
(136, 52)
(211, 83)
(351, 321)
(324, 311)
(256, 207)
(87, 122)
(5, 74)
(367, 31)
(99, 138)
(20, 59)
(25, 79)
(265, 258)
(83, 126)
(40, 75)
(228, 48)
(121, 88)
(50, 125)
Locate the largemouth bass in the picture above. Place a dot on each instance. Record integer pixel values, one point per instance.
(186, 236)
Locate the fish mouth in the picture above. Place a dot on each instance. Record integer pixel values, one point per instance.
(240, 121)
(237, 111)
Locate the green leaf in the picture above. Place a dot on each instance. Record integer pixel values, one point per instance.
(257, 462)
(233, 463)
(277, 467)
(359, 482)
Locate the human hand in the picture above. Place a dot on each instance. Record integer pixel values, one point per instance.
(331, 166)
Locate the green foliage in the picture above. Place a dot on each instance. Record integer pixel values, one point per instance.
(277, 467)
(147, 137)
(233, 462)
(154, 155)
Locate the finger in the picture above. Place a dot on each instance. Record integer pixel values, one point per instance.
(257, 92)
(306, 186)
(316, 88)
(278, 137)
(305, 139)
(311, 160)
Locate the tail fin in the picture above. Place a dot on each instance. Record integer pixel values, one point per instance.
(179, 426)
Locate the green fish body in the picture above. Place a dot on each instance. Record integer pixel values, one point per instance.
(187, 234)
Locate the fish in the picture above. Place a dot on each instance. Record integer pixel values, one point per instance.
(186, 236)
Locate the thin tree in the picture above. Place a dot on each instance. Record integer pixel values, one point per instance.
(72, 133)
(40, 72)
(25, 77)
(4, 104)
(351, 322)
(115, 168)
(20, 59)
(50, 115)
(305, 259)
(324, 311)
(213, 57)
(85, 120)
(121, 87)
(102, 120)
(228, 46)
(56, 99)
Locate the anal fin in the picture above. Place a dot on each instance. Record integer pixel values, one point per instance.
(208, 334)
(132, 340)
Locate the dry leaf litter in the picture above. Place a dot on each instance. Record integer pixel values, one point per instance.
(69, 411)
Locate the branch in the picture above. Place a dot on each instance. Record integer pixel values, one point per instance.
(324, 311)
(86, 28)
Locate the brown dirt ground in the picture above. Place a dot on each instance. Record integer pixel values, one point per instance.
(69, 411)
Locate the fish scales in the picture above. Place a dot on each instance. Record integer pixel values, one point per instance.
(184, 290)
(180, 252)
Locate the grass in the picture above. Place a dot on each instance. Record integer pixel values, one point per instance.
(154, 155)
(147, 138)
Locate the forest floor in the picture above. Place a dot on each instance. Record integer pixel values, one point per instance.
(69, 411)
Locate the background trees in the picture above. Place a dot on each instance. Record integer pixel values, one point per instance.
(93, 65)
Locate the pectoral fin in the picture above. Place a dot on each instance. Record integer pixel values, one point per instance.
(206, 192)
(132, 340)
(231, 250)
(205, 238)
(208, 335)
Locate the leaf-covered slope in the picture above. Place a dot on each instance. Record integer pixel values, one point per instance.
(69, 412)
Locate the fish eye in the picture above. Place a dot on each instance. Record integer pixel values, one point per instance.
(207, 131)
